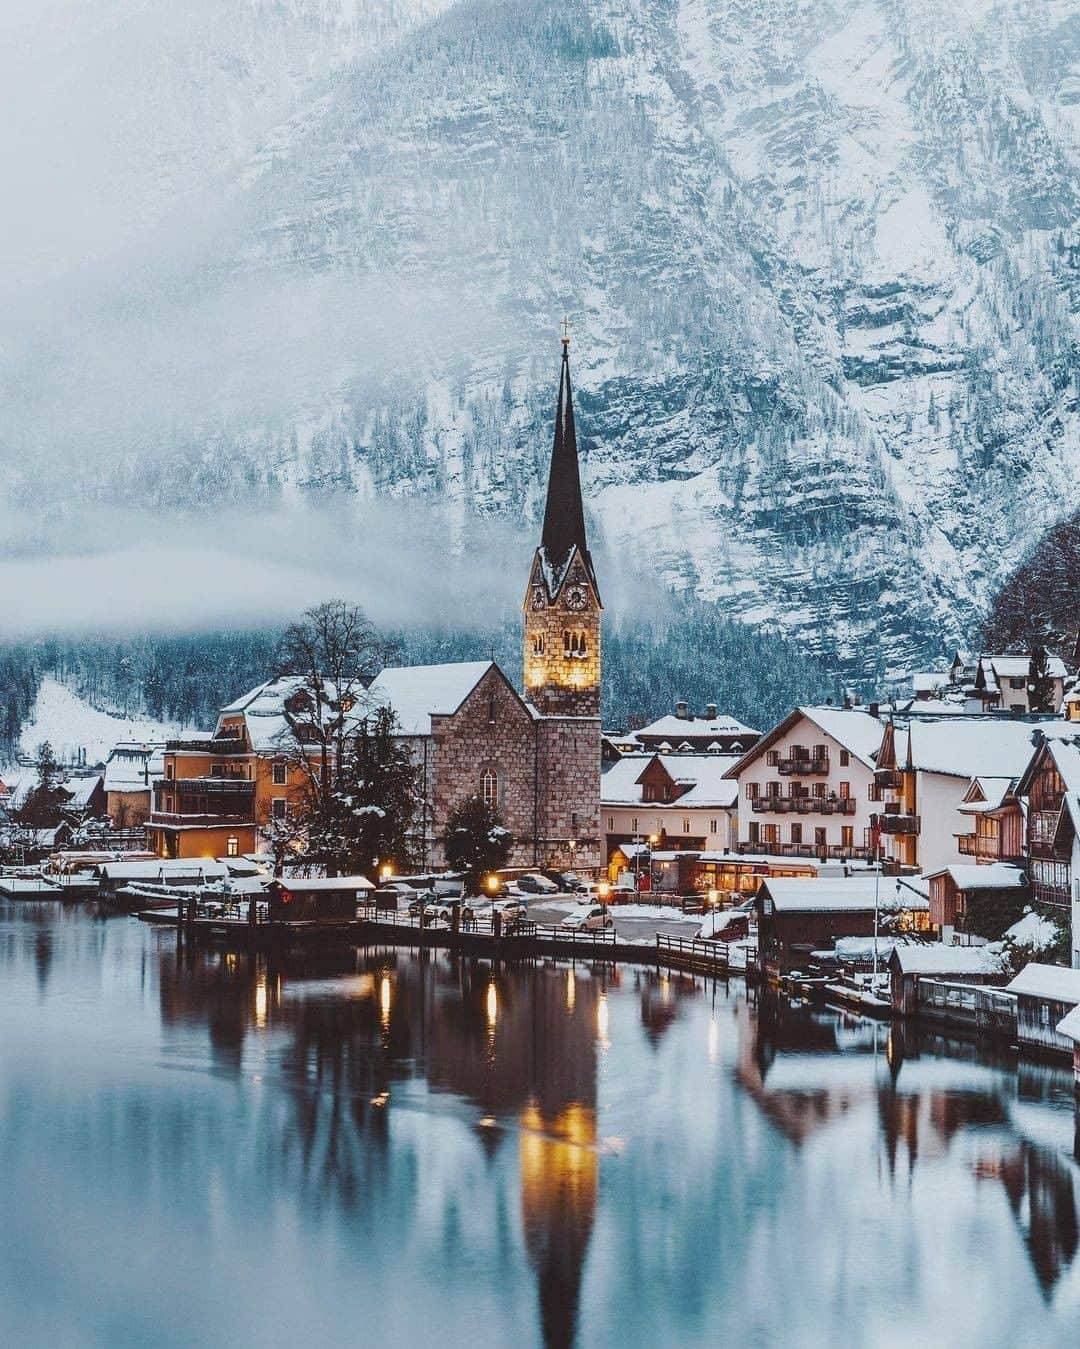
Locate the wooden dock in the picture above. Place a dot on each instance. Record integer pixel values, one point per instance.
(231, 927)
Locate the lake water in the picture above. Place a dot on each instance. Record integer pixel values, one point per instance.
(384, 1149)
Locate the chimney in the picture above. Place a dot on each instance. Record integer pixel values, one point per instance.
(682, 711)
(710, 711)
(847, 700)
(875, 708)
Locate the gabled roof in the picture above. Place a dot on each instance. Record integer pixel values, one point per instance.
(620, 785)
(841, 894)
(972, 746)
(985, 794)
(1062, 745)
(131, 766)
(415, 693)
(1055, 982)
(938, 958)
(1017, 666)
(1069, 1025)
(852, 728)
(992, 876)
(678, 728)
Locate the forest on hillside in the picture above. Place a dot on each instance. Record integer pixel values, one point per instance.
(1039, 603)
(690, 652)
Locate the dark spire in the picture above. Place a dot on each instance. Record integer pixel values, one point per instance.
(564, 515)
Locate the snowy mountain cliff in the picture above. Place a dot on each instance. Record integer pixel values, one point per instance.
(820, 260)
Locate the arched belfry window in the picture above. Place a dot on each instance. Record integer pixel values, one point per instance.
(538, 644)
(575, 646)
(489, 787)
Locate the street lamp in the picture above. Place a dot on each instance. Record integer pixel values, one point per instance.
(386, 871)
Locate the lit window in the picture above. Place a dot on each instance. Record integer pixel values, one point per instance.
(232, 846)
(538, 644)
(489, 787)
(575, 646)
(281, 772)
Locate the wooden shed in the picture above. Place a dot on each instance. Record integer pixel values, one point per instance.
(1045, 996)
(957, 964)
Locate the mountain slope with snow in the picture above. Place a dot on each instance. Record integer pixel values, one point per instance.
(73, 726)
(819, 255)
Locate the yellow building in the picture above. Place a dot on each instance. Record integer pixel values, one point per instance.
(218, 790)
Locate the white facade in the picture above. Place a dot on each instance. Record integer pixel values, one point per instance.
(807, 789)
(685, 802)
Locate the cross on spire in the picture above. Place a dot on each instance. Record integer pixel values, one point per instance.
(565, 332)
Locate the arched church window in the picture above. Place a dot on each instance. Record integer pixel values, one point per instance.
(538, 644)
(575, 646)
(489, 787)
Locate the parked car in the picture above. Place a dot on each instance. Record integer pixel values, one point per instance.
(589, 918)
(565, 881)
(443, 910)
(532, 883)
(511, 912)
(423, 899)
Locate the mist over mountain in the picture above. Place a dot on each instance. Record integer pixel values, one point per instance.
(281, 283)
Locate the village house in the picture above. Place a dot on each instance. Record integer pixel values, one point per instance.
(925, 775)
(806, 788)
(1068, 1028)
(998, 821)
(535, 757)
(686, 733)
(130, 771)
(798, 917)
(938, 960)
(1045, 995)
(669, 801)
(1051, 785)
(962, 893)
(1002, 683)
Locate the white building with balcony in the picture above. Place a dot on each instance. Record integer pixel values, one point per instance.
(806, 789)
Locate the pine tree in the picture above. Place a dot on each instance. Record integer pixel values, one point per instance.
(1040, 684)
(476, 841)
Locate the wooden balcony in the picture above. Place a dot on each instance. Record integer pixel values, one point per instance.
(803, 805)
(1057, 896)
(892, 822)
(966, 845)
(888, 778)
(223, 821)
(803, 765)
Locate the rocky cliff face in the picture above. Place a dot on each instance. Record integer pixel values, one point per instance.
(819, 258)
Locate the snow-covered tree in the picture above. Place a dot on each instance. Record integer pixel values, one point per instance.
(476, 841)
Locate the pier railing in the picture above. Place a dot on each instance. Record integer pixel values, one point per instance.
(699, 956)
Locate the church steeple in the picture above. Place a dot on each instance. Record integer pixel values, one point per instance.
(562, 604)
(564, 514)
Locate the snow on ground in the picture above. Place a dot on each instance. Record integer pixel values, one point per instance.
(70, 724)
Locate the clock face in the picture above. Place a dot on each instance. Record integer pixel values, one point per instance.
(577, 597)
(538, 600)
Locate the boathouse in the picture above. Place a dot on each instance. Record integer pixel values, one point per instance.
(798, 917)
(957, 964)
(1045, 996)
(1069, 1028)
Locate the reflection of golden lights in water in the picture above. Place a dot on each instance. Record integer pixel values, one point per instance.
(571, 990)
(262, 1001)
(492, 1003)
(665, 988)
(559, 1167)
(602, 1021)
(385, 998)
(714, 1039)
(381, 1099)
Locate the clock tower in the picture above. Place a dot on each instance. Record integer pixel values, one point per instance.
(562, 603)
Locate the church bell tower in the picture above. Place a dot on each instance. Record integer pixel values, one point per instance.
(562, 604)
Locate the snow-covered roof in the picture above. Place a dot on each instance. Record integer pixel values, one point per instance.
(263, 711)
(972, 746)
(992, 791)
(328, 883)
(1017, 667)
(938, 958)
(619, 784)
(81, 789)
(1055, 982)
(158, 866)
(929, 681)
(1069, 1025)
(678, 728)
(130, 767)
(992, 876)
(415, 693)
(837, 894)
(852, 728)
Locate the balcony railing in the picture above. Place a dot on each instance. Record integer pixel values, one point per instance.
(966, 845)
(222, 785)
(803, 764)
(222, 744)
(894, 823)
(1056, 895)
(888, 778)
(172, 817)
(834, 851)
(803, 805)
